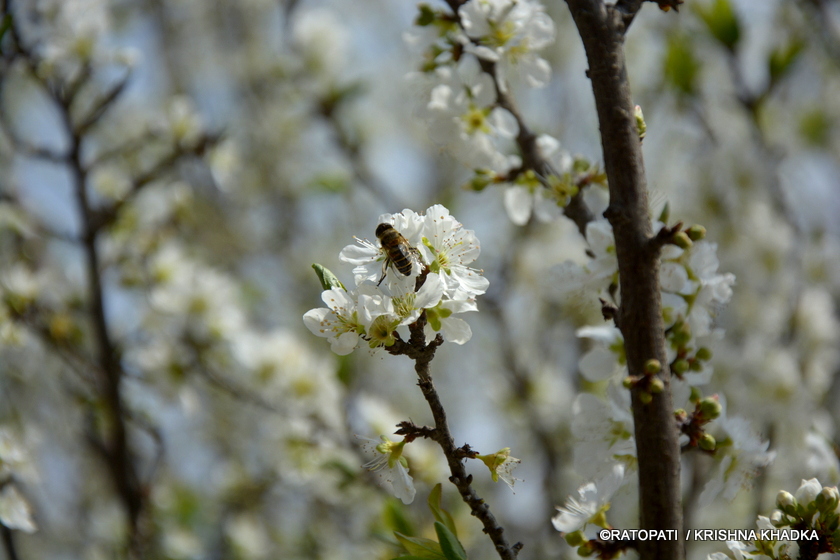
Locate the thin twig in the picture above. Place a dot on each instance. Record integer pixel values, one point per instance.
(422, 354)
(114, 443)
(526, 139)
(9, 543)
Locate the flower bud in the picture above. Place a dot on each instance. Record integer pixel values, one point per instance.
(682, 240)
(707, 442)
(652, 366)
(808, 490)
(585, 550)
(829, 497)
(786, 502)
(777, 518)
(479, 182)
(628, 382)
(696, 232)
(680, 366)
(710, 408)
(575, 538)
(645, 397)
(641, 127)
(656, 386)
(703, 354)
(695, 396)
(682, 335)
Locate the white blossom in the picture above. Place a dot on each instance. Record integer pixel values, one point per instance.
(521, 200)
(739, 462)
(591, 504)
(15, 511)
(390, 466)
(509, 33)
(339, 322)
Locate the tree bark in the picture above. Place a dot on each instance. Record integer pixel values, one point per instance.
(639, 316)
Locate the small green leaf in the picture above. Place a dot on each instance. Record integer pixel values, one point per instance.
(395, 518)
(5, 26)
(666, 213)
(449, 543)
(427, 15)
(815, 128)
(330, 182)
(420, 547)
(722, 21)
(440, 514)
(782, 58)
(680, 68)
(328, 280)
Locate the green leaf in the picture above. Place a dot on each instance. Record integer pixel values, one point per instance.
(782, 58)
(395, 518)
(665, 214)
(330, 182)
(680, 68)
(440, 514)
(328, 280)
(427, 15)
(815, 127)
(5, 26)
(449, 543)
(722, 22)
(420, 547)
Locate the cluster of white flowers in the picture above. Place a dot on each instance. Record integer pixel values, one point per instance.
(692, 288)
(459, 94)
(462, 116)
(76, 37)
(374, 310)
(692, 292)
(15, 510)
(812, 508)
(592, 502)
(739, 461)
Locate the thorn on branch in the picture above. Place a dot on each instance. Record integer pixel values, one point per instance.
(666, 236)
(466, 452)
(609, 311)
(666, 5)
(412, 431)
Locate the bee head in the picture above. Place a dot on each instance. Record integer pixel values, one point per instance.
(382, 228)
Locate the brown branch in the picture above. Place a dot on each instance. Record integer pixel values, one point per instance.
(9, 543)
(352, 150)
(113, 441)
(640, 317)
(576, 210)
(116, 444)
(102, 105)
(422, 354)
(104, 217)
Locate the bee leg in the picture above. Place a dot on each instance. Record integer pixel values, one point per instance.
(384, 271)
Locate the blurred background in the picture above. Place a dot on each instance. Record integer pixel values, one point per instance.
(207, 152)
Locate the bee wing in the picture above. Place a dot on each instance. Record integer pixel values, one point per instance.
(407, 252)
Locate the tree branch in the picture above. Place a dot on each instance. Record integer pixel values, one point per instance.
(114, 442)
(639, 314)
(422, 355)
(9, 543)
(526, 140)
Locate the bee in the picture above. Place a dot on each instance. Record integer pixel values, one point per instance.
(398, 252)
